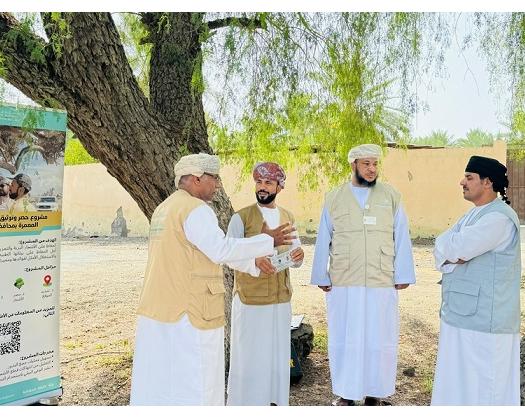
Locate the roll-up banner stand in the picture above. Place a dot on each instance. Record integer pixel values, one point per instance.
(32, 142)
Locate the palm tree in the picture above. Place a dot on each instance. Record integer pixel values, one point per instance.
(438, 138)
(475, 138)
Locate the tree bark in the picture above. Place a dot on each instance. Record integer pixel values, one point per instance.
(136, 139)
(175, 59)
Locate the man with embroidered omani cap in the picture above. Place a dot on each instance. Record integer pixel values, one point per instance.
(363, 256)
(261, 309)
(478, 361)
(179, 345)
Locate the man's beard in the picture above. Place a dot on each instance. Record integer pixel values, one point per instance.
(265, 201)
(13, 195)
(362, 181)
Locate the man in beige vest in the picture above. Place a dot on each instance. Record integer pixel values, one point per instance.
(261, 309)
(179, 345)
(363, 234)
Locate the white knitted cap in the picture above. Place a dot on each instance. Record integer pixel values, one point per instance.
(363, 151)
(196, 164)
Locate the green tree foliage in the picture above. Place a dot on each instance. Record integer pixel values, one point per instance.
(353, 110)
(289, 83)
(516, 142)
(75, 153)
(281, 85)
(502, 40)
(134, 35)
(319, 83)
(475, 138)
(438, 138)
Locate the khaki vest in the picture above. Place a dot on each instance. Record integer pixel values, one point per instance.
(264, 289)
(362, 254)
(179, 278)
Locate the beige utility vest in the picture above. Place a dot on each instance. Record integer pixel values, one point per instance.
(264, 289)
(362, 248)
(179, 278)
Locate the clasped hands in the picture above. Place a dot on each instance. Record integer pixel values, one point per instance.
(327, 288)
(459, 262)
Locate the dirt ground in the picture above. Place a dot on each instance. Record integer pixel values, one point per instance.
(101, 281)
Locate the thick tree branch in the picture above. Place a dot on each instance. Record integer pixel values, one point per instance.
(8, 166)
(27, 61)
(239, 21)
(92, 79)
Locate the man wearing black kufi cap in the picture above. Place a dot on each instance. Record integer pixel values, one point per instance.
(478, 360)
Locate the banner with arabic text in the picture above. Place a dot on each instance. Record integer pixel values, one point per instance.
(32, 142)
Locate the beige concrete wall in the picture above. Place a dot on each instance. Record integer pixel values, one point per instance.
(427, 178)
(91, 199)
(429, 181)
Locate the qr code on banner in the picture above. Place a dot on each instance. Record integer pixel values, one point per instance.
(10, 337)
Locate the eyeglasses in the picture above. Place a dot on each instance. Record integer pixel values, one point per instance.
(216, 177)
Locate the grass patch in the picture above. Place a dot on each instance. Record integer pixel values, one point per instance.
(72, 344)
(110, 360)
(124, 343)
(428, 383)
(321, 340)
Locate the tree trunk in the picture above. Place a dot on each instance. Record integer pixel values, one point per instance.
(136, 139)
(175, 59)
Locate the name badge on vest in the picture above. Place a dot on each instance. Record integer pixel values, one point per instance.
(368, 220)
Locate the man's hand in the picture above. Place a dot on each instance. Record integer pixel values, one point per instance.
(264, 264)
(297, 255)
(325, 288)
(282, 235)
(401, 286)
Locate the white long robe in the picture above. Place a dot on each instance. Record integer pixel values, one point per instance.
(363, 323)
(176, 363)
(475, 368)
(260, 341)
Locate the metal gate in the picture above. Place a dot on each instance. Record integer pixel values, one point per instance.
(516, 189)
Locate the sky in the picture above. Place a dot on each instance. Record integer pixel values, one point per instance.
(456, 104)
(463, 100)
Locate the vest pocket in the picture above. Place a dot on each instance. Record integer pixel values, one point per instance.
(259, 287)
(214, 300)
(207, 295)
(387, 258)
(339, 257)
(463, 297)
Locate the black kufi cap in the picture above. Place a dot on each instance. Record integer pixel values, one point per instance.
(487, 167)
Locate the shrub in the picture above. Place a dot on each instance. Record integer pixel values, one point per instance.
(76, 153)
